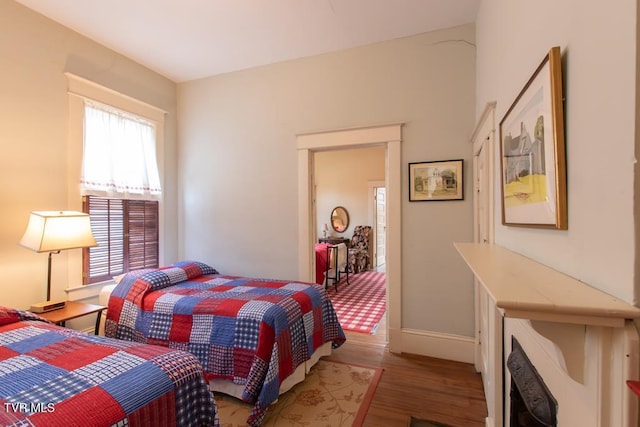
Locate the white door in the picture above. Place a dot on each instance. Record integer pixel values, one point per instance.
(488, 349)
(482, 192)
(381, 227)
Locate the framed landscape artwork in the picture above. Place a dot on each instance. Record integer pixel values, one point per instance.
(532, 152)
(433, 181)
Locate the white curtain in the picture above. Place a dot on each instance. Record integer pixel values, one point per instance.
(119, 158)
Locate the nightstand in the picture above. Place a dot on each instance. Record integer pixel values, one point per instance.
(73, 310)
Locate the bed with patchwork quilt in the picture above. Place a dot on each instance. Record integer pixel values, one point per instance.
(54, 376)
(253, 333)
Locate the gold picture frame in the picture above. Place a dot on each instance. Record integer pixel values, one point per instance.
(437, 180)
(532, 152)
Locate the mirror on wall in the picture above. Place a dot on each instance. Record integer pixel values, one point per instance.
(339, 219)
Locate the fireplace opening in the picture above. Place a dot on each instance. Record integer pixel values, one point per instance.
(532, 404)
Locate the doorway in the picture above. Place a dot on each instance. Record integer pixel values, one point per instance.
(388, 136)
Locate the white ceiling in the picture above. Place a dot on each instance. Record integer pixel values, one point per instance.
(190, 39)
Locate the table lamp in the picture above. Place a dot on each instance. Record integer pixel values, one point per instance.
(54, 231)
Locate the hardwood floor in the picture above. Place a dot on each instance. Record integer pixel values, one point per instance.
(439, 390)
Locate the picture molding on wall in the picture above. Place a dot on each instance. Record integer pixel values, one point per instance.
(532, 151)
(436, 181)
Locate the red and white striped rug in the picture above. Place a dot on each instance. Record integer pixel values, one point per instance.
(360, 304)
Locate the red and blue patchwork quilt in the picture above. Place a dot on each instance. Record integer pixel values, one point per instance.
(254, 332)
(53, 376)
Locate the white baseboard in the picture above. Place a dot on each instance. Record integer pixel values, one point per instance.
(434, 344)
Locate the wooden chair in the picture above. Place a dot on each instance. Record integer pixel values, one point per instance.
(337, 264)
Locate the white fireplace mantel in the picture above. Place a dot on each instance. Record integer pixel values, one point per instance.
(580, 339)
(525, 289)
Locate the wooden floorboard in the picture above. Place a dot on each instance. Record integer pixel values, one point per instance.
(423, 387)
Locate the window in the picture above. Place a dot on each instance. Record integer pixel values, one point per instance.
(119, 154)
(127, 233)
(128, 216)
(120, 184)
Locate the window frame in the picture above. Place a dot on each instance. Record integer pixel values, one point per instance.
(80, 89)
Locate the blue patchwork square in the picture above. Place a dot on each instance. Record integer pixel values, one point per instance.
(201, 351)
(185, 304)
(54, 390)
(223, 331)
(247, 333)
(139, 386)
(20, 373)
(34, 341)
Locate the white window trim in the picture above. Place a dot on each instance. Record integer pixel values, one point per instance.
(79, 89)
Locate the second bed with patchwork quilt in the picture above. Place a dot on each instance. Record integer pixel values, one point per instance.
(253, 332)
(54, 376)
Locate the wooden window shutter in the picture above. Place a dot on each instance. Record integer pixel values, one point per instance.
(127, 233)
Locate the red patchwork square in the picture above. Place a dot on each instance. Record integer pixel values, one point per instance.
(304, 300)
(285, 358)
(147, 352)
(138, 291)
(220, 288)
(6, 353)
(191, 270)
(184, 291)
(206, 306)
(92, 407)
(242, 361)
(275, 299)
(155, 413)
(201, 279)
(267, 284)
(181, 327)
(115, 308)
(72, 353)
(267, 337)
(7, 317)
(150, 300)
(230, 307)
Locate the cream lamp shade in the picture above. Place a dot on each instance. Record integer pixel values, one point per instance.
(53, 231)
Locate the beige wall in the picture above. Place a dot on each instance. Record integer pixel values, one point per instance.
(342, 179)
(238, 160)
(598, 43)
(34, 55)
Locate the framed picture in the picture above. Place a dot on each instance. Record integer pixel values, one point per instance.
(532, 152)
(432, 181)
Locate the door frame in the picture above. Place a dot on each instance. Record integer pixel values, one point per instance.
(388, 136)
(371, 202)
(483, 137)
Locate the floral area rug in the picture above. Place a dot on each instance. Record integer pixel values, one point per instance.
(333, 394)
